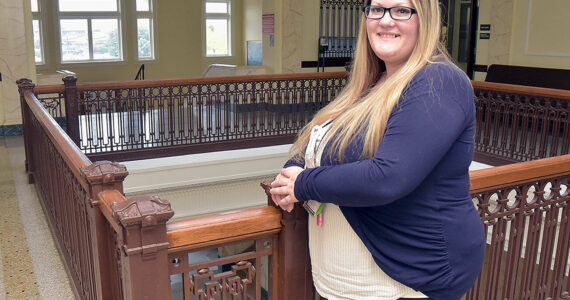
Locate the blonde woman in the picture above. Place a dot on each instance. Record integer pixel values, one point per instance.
(383, 169)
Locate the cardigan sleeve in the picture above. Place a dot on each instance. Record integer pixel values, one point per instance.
(429, 118)
(295, 162)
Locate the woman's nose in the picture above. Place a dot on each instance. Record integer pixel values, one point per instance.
(386, 20)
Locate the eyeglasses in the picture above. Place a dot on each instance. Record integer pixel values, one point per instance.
(396, 12)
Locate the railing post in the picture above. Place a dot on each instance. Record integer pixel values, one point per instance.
(144, 247)
(104, 175)
(295, 280)
(71, 108)
(23, 86)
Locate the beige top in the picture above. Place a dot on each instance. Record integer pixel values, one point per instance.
(342, 266)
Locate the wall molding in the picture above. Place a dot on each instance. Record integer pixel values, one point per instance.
(527, 38)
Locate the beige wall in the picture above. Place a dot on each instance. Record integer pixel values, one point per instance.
(546, 32)
(16, 56)
(497, 49)
(180, 45)
(272, 52)
(535, 39)
(252, 10)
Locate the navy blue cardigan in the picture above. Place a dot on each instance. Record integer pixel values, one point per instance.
(410, 203)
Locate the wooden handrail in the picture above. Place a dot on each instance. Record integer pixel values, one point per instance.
(106, 199)
(497, 177)
(203, 80)
(222, 228)
(64, 145)
(522, 89)
(501, 87)
(49, 89)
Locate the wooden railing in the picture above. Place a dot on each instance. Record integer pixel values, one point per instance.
(119, 248)
(525, 209)
(250, 239)
(110, 244)
(519, 123)
(140, 119)
(55, 165)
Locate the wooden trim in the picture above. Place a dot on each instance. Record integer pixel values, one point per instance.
(49, 89)
(223, 227)
(496, 177)
(106, 198)
(521, 89)
(63, 143)
(204, 80)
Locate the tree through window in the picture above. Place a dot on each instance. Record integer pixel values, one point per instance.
(218, 27)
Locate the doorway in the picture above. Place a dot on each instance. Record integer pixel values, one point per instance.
(459, 31)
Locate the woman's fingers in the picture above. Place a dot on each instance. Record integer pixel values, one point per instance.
(276, 199)
(288, 172)
(280, 190)
(279, 181)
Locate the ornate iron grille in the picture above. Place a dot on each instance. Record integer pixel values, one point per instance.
(235, 276)
(528, 233)
(65, 199)
(123, 119)
(338, 30)
(54, 103)
(519, 127)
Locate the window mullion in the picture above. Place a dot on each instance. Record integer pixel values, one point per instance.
(90, 38)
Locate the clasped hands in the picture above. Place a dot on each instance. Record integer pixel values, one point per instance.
(283, 188)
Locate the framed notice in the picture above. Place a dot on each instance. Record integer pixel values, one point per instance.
(254, 53)
(268, 23)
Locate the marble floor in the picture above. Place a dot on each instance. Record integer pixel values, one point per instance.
(31, 267)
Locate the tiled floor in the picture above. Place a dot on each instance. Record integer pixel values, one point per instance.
(30, 264)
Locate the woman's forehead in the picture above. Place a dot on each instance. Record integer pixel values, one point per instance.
(391, 3)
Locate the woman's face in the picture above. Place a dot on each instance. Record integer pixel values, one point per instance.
(393, 40)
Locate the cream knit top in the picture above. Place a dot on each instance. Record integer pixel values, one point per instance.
(342, 266)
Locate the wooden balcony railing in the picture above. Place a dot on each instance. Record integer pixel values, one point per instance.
(140, 119)
(520, 123)
(110, 245)
(525, 208)
(123, 248)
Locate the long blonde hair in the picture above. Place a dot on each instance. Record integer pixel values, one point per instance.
(356, 111)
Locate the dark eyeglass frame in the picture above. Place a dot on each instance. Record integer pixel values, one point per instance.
(389, 10)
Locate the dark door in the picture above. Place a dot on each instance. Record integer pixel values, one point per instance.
(459, 31)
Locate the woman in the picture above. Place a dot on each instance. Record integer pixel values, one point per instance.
(385, 167)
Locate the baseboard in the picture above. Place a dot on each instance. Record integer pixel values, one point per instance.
(11, 130)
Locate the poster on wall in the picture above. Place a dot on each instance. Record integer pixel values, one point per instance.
(254, 53)
(268, 23)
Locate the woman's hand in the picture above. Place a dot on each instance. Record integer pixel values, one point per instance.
(283, 188)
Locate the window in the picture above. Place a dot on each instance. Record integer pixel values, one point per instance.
(37, 28)
(145, 29)
(218, 27)
(90, 30)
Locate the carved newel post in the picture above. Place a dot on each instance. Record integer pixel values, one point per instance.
(71, 108)
(295, 280)
(144, 257)
(131, 236)
(26, 86)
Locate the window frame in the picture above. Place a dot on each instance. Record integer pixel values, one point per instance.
(40, 17)
(217, 16)
(152, 16)
(119, 15)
